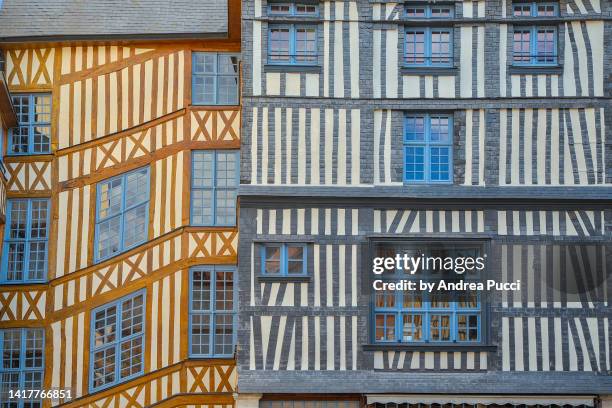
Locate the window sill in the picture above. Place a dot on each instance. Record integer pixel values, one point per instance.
(292, 68)
(283, 279)
(428, 347)
(429, 71)
(535, 69)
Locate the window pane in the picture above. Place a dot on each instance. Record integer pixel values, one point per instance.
(303, 9)
(22, 108)
(103, 367)
(224, 292)
(42, 108)
(136, 187)
(227, 166)
(413, 327)
(522, 10)
(415, 163)
(545, 46)
(224, 334)
(440, 131)
(204, 63)
(440, 47)
(385, 299)
(11, 349)
(279, 44)
(272, 260)
(280, 8)
(110, 198)
(415, 129)
(415, 47)
(131, 357)
(440, 164)
(19, 138)
(438, 12)
(41, 139)
(37, 260)
(108, 237)
(203, 169)
(413, 300)
(200, 334)
(521, 46)
(105, 326)
(204, 89)
(135, 226)
(132, 312)
(16, 261)
(201, 207)
(226, 207)
(201, 281)
(385, 327)
(227, 64)
(38, 225)
(305, 44)
(8, 381)
(439, 327)
(415, 11)
(228, 90)
(467, 327)
(34, 348)
(546, 10)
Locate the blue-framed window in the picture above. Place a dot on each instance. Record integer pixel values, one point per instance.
(26, 238)
(292, 44)
(428, 46)
(21, 365)
(428, 149)
(534, 44)
(215, 78)
(535, 9)
(283, 259)
(421, 316)
(297, 8)
(212, 311)
(33, 132)
(214, 186)
(429, 10)
(122, 213)
(117, 341)
(407, 317)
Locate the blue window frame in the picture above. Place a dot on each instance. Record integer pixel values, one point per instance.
(212, 311)
(422, 316)
(428, 149)
(214, 186)
(122, 213)
(33, 132)
(406, 317)
(215, 78)
(535, 44)
(283, 259)
(117, 341)
(293, 44)
(429, 11)
(535, 9)
(21, 365)
(428, 46)
(287, 8)
(26, 238)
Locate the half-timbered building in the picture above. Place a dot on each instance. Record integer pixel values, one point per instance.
(119, 251)
(376, 127)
